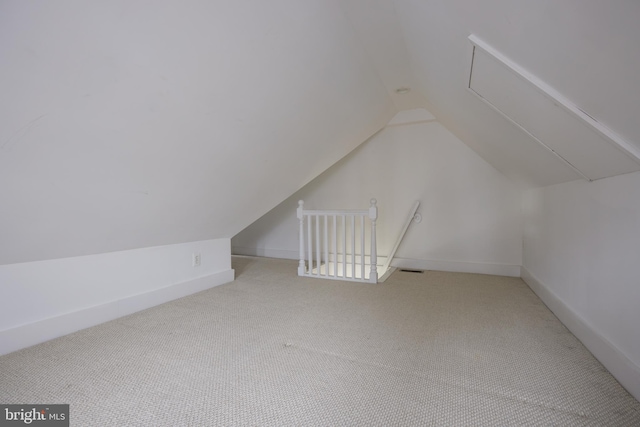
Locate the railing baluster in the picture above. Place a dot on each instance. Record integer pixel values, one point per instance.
(301, 266)
(362, 247)
(326, 247)
(344, 246)
(318, 243)
(309, 252)
(373, 215)
(335, 246)
(353, 246)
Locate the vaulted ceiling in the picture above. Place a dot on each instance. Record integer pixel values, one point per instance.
(585, 50)
(126, 124)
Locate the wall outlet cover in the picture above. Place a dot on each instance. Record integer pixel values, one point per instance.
(196, 259)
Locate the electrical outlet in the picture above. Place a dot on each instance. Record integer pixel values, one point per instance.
(196, 259)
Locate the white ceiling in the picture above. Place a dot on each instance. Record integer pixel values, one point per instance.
(583, 49)
(130, 124)
(378, 30)
(586, 50)
(134, 124)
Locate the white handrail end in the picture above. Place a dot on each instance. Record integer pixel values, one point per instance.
(373, 209)
(300, 208)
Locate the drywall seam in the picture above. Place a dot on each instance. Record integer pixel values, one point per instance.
(409, 117)
(620, 366)
(23, 336)
(416, 122)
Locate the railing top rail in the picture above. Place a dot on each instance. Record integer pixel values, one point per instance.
(372, 212)
(335, 212)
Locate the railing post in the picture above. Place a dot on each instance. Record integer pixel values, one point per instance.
(301, 265)
(373, 215)
(318, 257)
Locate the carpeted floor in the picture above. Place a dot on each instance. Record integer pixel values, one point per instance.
(272, 349)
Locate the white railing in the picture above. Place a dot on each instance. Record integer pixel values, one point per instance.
(413, 217)
(330, 240)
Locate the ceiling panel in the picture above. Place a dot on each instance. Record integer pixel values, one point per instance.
(546, 116)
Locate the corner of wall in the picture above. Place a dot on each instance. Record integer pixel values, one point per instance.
(620, 366)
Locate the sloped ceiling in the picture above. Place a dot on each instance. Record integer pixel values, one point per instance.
(128, 124)
(586, 50)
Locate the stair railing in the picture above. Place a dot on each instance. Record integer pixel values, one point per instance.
(329, 243)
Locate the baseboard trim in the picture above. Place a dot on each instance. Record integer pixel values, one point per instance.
(416, 264)
(287, 254)
(458, 266)
(44, 330)
(621, 367)
(264, 252)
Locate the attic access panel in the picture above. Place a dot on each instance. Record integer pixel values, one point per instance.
(583, 143)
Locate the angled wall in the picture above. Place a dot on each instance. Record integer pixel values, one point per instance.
(131, 132)
(128, 125)
(471, 212)
(42, 300)
(581, 255)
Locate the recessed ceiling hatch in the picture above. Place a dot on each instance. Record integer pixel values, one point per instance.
(584, 144)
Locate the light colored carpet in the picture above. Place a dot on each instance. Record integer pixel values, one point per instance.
(272, 349)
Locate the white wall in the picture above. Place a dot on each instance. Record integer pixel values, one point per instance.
(45, 299)
(471, 212)
(128, 124)
(581, 256)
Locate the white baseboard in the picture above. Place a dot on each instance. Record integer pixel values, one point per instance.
(386, 274)
(415, 264)
(458, 266)
(266, 253)
(287, 254)
(620, 366)
(44, 330)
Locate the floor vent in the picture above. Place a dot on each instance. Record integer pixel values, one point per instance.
(407, 270)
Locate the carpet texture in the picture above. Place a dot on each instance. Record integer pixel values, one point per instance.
(272, 349)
